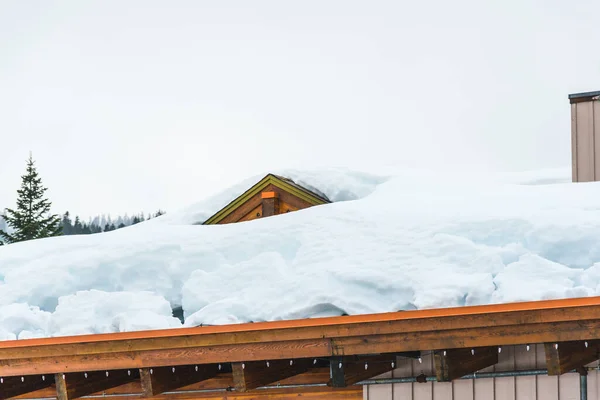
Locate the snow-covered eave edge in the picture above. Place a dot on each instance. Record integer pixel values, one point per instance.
(500, 313)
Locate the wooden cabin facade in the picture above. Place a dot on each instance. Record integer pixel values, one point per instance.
(272, 195)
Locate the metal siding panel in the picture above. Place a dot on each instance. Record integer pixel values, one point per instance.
(366, 392)
(403, 391)
(596, 130)
(463, 389)
(442, 391)
(484, 389)
(504, 388)
(381, 392)
(423, 391)
(525, 386)
(547, 388)
(568, 388)
(593, 385)
(585, 142)
(574, 141)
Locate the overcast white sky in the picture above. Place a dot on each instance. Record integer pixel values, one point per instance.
(139, 105)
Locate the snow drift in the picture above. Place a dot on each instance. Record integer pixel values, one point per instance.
(391, 241)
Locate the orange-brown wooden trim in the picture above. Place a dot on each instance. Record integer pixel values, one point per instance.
(324, 323)
(269, 195)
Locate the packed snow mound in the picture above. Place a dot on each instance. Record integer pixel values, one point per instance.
(399, 240)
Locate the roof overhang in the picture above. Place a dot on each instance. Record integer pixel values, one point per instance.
(556, 323)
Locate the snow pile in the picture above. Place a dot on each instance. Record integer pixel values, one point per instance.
(395, 241)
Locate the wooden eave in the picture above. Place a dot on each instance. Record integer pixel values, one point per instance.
(398, 332)
(270, 179)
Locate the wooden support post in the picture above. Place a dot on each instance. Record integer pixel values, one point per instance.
(13, 386)
(455, 363)
(346, 371)
(270, 204)
(73, 385)
(254, 374)
(566, 356)
(163, 379)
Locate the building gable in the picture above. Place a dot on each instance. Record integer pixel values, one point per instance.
(272, 195)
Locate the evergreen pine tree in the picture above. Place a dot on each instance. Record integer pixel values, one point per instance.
(121, 225)
(77, 226)
(31, 219)
(66, 224)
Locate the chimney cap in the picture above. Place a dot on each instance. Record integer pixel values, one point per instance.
(585, 96)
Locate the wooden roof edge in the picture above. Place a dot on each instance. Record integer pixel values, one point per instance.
(280, 181)
(311, 322)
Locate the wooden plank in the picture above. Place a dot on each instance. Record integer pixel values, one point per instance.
(333, 327)
(75, 385)
(254, 374)
(164, 379)
(14, 386)
(373, 344)
(346, 371)
(455, 363)
(566, 356)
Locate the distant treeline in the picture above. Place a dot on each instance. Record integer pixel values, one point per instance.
(101, 223)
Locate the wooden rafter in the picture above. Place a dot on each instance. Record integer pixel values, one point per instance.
(455, 363)
(567, 356)
(346, 371)
(78, 384)
(163, 379)
(254, 374)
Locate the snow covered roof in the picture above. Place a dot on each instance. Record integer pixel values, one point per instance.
(392, 240)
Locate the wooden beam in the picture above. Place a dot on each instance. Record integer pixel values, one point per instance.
(14, 386)
(501, 335)
(567, 356)
(255, 374)
(437, 321)
(455, 363)
(164, 379)
(346, 371)
(74, 385)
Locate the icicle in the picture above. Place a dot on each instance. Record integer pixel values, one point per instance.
(315, 361)
(63, 376)
(445, 353)
(499, 349)
(393, 364)
(556, 346)
(586, 344)
(197, 368)
(366, 366)
(527, 347)
(340, 365)
(106, 373)
(267, 364)
(291, 362)
(85, 375)
(243, 366)
(129, 372)
(151, 371)
(219, 367)
(173, 369)
(22, 379)
(420, 360)
(472, 352)
(43, 377)
(1, 380)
